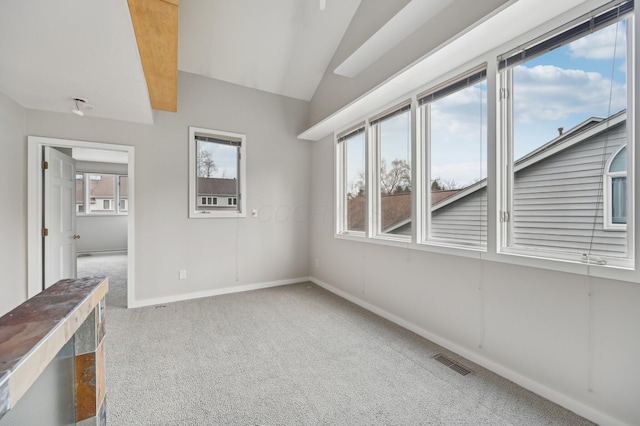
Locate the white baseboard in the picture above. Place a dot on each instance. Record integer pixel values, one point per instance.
(99, 252)
(524, 381)
(214, 292)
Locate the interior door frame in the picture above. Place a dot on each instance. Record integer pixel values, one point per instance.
(35, 206)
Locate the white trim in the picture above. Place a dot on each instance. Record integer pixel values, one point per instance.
(34, 207)
(215, 292)
(521, 380)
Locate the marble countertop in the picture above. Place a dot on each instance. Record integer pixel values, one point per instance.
(33, 333)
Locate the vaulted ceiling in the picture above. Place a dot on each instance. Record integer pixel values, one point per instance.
(54, 51)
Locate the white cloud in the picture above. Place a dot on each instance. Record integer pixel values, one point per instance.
(601, 44)
(460, 118)
(463, 174)
(548, 92)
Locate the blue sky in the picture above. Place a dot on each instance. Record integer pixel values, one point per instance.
(561, 88)
(225, 158)
(566, 86)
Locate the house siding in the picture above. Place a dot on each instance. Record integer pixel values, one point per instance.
(557, 202)
(462, 222)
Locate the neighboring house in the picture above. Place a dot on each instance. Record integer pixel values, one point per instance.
(102, 193)
(217, 192)
(559, 193)
(396, 211)
(124, 193)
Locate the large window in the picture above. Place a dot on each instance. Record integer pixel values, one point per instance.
(453, 127)
(217, 174)
(565, 100)
(101, 194)
(529, 154)
(391, 137)
(352, 203)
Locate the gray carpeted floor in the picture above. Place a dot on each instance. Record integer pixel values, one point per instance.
(291, 355)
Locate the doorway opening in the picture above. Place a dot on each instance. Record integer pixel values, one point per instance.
(97, 232)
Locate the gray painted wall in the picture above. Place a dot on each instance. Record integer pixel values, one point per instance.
(217, 254)
(13, 208)
(101, 233)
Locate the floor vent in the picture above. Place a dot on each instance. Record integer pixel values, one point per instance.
(452, 365)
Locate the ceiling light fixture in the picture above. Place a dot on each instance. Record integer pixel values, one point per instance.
(81, 104)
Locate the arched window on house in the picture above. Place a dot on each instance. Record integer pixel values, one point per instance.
(615, 182)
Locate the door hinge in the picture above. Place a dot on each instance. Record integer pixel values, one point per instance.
(45, 165)
(45, 232)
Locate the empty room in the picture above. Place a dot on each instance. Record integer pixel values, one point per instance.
(319, 212)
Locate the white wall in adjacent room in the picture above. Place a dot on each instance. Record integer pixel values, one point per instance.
(101, 233)
(13, 208)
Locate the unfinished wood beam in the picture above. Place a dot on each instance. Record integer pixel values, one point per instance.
(155, 23)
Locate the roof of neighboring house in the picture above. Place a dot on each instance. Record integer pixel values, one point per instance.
(104, 188)
(217, 186)
(585, 130)
(437, 196)
(396, 209)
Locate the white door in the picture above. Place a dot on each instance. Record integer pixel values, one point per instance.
(59, 216)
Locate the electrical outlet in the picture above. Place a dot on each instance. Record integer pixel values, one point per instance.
(182, 274)
(317, 263)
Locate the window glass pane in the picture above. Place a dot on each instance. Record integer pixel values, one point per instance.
(569, 117)
(457, 128)
(619, 200)
(123, 204)
(395, 175)
(79, 192)
(217, 174)
(619, 163)
(355, 182)
(102, 193)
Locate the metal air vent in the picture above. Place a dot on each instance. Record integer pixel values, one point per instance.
(452, 365)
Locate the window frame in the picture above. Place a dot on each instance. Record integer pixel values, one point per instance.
(499, 179)
(506, 175)
(607, 185)
(115, 203)
(441, 91)
(240, 209)
(340, 152)
(374, 198)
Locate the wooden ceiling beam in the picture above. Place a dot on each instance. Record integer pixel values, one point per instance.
(155, 23)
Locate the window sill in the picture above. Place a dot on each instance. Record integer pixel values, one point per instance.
(528, 259)
(215, 214)
(101, 214)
